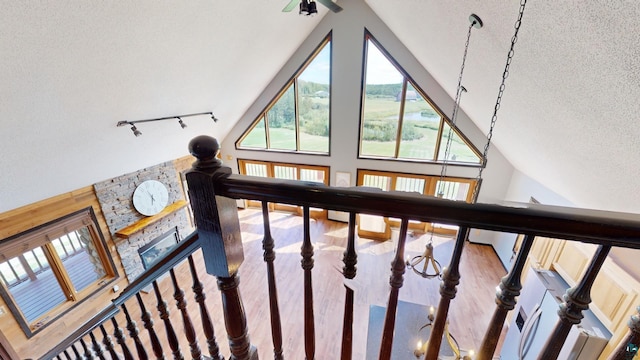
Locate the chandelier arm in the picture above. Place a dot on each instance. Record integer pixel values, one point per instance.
(494, 117)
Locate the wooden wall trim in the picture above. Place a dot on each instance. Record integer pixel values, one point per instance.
(15, 221)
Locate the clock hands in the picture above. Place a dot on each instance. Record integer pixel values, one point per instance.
(150, 197)
(150, 194)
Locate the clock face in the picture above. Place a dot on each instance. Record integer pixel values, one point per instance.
(150, 197)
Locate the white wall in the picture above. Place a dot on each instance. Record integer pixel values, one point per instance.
(521, 189)
(71, 70)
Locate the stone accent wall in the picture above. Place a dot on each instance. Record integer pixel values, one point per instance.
(115, 197)
(128, 248)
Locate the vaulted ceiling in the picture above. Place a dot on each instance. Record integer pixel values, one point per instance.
(71, 69)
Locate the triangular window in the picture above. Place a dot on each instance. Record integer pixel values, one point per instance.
(298, 118)
(398, 119)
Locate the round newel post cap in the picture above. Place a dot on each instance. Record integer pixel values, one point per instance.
(205, 148)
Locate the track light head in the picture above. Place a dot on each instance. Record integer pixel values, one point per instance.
(313, 9)
(135, 130)
(182, 124)
(214, 118)
(304, 7)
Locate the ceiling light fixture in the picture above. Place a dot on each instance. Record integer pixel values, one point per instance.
(313, 9)
(308, 8)
(137, 132)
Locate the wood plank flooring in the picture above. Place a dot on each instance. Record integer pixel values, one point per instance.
(470, 310)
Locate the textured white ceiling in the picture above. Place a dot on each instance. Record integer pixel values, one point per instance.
(568, 117)
(71, 69)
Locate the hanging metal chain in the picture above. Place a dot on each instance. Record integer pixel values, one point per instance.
(475, 22)
(494, 118)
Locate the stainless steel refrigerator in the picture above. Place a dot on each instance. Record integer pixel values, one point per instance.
(535, 316)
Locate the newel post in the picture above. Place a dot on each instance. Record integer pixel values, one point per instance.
(216, 219)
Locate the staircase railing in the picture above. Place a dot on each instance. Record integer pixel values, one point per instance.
(213, 191)
(84, 343)
(210, 184)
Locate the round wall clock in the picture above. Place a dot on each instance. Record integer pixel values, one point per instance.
(150, 197)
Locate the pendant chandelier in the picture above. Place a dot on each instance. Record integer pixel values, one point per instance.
(427, 256)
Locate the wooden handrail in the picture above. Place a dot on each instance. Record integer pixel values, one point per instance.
(593, 226)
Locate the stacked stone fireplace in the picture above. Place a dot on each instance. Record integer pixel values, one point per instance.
(115, 200)
(129, 248)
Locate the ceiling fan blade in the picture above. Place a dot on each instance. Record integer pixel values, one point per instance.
(331, 5)
(292, 4)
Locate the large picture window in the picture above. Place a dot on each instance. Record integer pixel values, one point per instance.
(298, 118)
(399, 121)
(48, 270)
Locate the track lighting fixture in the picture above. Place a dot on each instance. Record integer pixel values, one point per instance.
(308, 8)
(313, 9)
(137, 132)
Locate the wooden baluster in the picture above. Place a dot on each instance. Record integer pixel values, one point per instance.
(307, 265)
(75, 351)
(350, 259)
(577, 300)
(97, 349)
(163, 309)
(395, 281)
(235, 320)
(148, 324)
(450, 280)
(88, 354)
(510, 287)
(134, 333)
(269, 257)
(629, 345)
(108, 343)
(120, 339)
(189, 331)
(216, 218)
(207, 324)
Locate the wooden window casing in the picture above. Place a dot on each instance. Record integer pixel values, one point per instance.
(42, 237)
(402, 101)
(430, 188)
(288, 171)
(297, 144)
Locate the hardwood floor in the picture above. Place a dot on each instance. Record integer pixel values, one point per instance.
(469, 315)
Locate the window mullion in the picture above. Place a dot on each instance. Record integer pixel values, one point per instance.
(266, 130)
(439, 138)
(60, 273)
(296, 113)
(403, 98)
